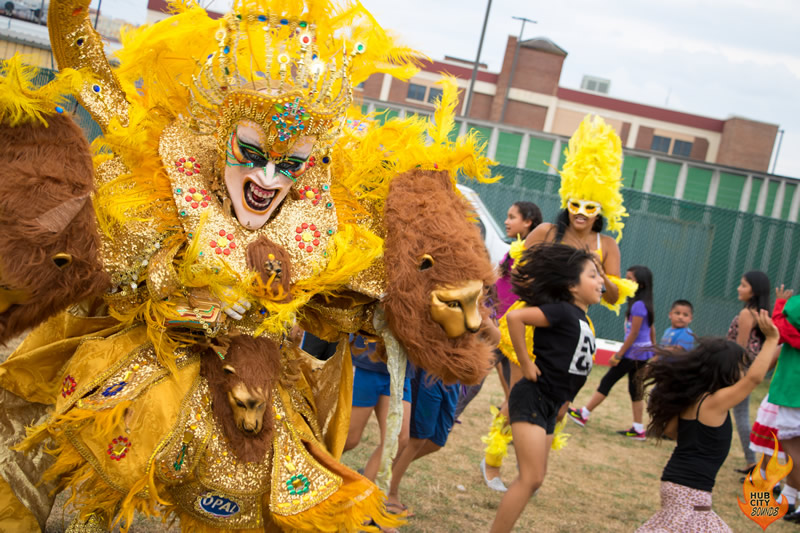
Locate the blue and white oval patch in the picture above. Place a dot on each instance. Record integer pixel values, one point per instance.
(218, 506)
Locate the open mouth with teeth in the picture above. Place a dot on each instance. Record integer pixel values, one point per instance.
(256, 198)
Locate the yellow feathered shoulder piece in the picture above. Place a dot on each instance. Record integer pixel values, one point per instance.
(369, 156)
(21, 102)
(593, 170)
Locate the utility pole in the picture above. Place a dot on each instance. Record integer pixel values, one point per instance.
(513, 65)
(477, 60)
(97, 15)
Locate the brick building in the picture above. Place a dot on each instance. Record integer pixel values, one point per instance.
(535, 100)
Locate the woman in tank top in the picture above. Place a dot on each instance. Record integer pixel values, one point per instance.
(753, 291)
(689, 402)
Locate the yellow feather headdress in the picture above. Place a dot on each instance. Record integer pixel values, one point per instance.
(593, 170)
(287, 65)
(22, 102)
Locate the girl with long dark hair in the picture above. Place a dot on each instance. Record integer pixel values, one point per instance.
(689, 402)
(754, 292)
(558, 283)
(632, 356)
(521, 219)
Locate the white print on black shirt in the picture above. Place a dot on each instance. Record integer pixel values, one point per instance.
(582, 358)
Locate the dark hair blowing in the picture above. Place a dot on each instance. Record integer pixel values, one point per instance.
(679, 378)
(644, 294)
(545, 273)
(528, 211)
(562, 223)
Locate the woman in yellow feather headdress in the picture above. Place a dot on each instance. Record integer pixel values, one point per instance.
(591, 196)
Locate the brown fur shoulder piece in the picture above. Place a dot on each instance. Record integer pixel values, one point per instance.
(423, 216)
(254, 362)
(47, 224)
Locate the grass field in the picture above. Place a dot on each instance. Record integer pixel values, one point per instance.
(600, 482)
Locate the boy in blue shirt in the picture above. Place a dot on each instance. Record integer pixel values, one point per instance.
(680, 316)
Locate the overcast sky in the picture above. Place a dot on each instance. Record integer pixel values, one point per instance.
(716, 58)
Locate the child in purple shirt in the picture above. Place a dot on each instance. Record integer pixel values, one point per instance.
(631, 357)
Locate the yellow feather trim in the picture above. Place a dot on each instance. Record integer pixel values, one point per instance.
(627, 288)
(498, 438)
(593, 170)
(366, 162)
(22, 102)
(506, 345)
(349, 509)
(516, 249)
(560, 438)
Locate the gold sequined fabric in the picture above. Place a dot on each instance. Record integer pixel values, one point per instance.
(77, 45)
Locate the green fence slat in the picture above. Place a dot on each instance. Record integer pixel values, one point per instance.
(539, 151)
(755, 190)
(665, 178)
(698, 181)
(788, 196)
(633, 171)
(507, 151)
(730, 190)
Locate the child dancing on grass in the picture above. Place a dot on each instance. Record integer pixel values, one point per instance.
(558, 283)
(691, 396)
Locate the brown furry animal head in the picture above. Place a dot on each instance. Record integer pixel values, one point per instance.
(49, 256)
(436, 265)
(241, 390)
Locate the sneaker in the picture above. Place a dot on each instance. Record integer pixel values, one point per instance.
(495, 483)
(576, 416)
(793, 517)
(633, 434)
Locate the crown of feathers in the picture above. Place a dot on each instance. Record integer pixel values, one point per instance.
(593, 170)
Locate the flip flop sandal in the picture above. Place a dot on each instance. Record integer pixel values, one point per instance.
(400, 509)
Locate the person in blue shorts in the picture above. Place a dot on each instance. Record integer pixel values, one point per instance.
(679, 334)
(433, 409)
(371, 392)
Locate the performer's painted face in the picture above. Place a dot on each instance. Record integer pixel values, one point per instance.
(258, 181)
(582, 213)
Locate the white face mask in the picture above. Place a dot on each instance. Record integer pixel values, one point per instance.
(256, 184)
(586, 208)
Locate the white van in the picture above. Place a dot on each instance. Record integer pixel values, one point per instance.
(493, 235)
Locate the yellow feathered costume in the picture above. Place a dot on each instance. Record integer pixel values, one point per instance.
(131, 428)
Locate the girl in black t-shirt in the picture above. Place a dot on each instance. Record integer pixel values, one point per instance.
(691, 396)
(558, 283)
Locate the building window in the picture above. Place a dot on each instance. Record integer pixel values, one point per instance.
(360, 86)
(416, 92)
(595, 84)
(682, 148)
(660, 144)
(434, 95)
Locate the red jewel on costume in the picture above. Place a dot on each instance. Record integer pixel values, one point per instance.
(224, 244)
(197, 198)
(310, 193)
(188, 166)
(118, 448)
(307, 236)
(68, 386)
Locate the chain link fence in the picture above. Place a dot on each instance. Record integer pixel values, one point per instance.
(696, 252)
